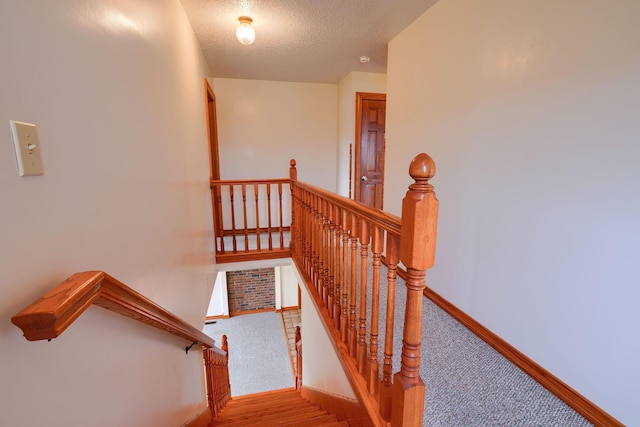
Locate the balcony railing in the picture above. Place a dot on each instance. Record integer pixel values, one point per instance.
(338, 246)
(252, 219)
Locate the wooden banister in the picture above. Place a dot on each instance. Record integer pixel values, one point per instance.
(216, 364)
(53, 313)
(49, 316)
(337, 244)
(249, 220)
(382, 219)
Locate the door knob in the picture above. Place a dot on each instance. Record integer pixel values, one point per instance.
(363, 178)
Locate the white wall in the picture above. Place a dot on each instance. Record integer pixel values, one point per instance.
(530, 111)
(347, 88)
(264, 124)
(115, 88)
(321, 368)
(288, 286)
(219, 302)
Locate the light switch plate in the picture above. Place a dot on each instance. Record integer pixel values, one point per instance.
(27, 146)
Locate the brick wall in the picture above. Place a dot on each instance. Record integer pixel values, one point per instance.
(250, 290)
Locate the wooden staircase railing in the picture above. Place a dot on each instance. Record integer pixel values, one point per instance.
(251, 219)
(338, 245)
(49, 316)
(217, 370)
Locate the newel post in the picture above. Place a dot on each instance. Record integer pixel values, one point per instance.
(293, 172)
(417, 253)
(298, 344)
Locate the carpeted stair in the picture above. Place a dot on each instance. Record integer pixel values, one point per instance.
(275, 408)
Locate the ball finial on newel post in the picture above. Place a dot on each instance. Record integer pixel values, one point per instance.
(293, 172)
(422, 168)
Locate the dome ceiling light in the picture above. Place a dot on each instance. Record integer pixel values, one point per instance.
(245, 33)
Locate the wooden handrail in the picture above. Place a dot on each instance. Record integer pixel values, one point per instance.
(221, 182)
(382, 219)
(337, 245)
(53, 313)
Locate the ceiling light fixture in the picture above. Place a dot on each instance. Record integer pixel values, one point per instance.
(364, 59)
(245, 33)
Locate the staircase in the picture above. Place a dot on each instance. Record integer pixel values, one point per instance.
(275, 408)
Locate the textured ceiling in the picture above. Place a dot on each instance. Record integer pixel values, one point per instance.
(300, 40)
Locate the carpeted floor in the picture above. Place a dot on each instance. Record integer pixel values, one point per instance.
(258, 354)
(468, 383)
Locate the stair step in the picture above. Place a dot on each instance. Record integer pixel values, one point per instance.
(294, 414)
(282, 408)
(326, 420)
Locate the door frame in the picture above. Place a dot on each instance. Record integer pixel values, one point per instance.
(214, 155)
(212, 130)
(360, 97)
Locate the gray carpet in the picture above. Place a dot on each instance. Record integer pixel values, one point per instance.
(258, 354)
(468, 383)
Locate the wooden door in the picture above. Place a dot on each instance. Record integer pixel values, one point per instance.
(369, 148)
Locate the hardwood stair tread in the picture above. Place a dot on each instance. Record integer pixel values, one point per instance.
(295, 413)
(263, 407)
(283, 408)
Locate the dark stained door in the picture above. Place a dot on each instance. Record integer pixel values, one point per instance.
(370, 146)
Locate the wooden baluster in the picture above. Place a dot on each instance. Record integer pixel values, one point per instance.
(280, 226)
(320, 252)
(311, 225)
(328, 255)
(304, 229)
(392, 248)
(256, 193)
(376, 248)
(244, 211)
(362, 320)
(308, 233)
(353, 286)
(344, 317)
(269, 229)
(233, 218)
(216, 198)
(319, 249)
(337, 268)
(295, 210)
(314, 244)
(298, 344)
(208, 367)
(417, 253)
